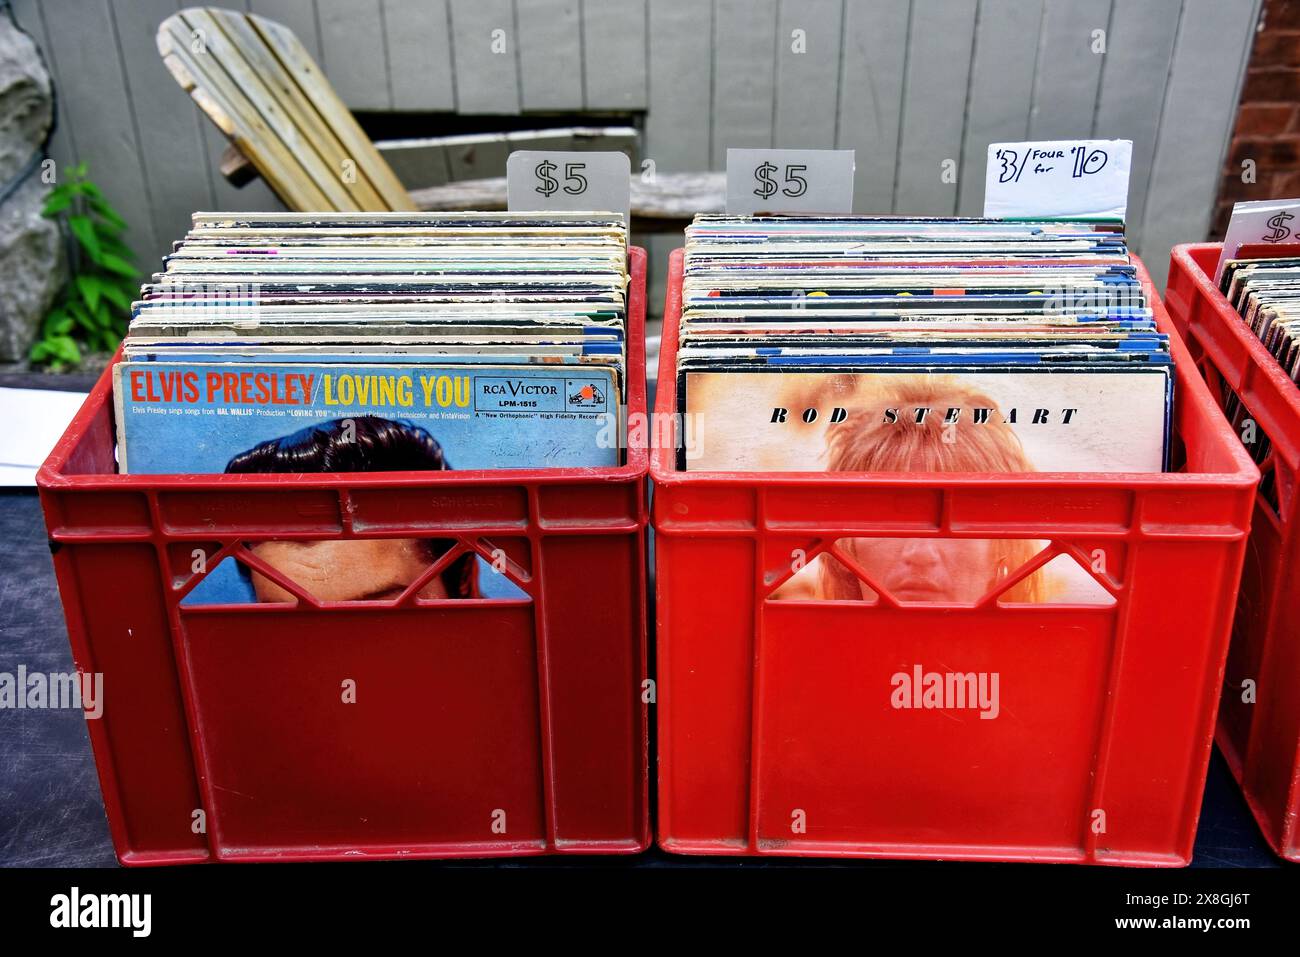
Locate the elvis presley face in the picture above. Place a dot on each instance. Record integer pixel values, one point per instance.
(346, 569)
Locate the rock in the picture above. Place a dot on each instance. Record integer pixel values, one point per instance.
(31, 268)
(31, 248)
(26, 104)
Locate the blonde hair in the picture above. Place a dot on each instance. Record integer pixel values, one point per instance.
(868, 442)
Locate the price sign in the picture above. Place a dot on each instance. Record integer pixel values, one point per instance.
(790, 181)
(546, 179)
(1260, 221)
(1054, 179)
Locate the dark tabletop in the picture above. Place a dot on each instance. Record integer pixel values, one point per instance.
(51, 813)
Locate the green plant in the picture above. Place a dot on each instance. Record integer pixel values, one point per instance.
(95, 306)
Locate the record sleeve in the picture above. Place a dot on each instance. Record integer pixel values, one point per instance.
(204, 418)
(942, 419)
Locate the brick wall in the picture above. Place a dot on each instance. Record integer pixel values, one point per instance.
(1268, 118)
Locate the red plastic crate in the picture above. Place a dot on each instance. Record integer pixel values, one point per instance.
(775, 715)
(1260, 740)
(480, 728)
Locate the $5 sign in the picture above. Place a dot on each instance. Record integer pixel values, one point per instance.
(767, 186)
(575, 184)
(1280, 230)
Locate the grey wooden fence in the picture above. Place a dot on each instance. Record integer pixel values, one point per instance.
(907, 83)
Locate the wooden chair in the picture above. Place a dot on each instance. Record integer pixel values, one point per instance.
(254, 79)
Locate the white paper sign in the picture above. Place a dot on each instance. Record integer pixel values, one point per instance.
(1260, 221)
(789, 181)
(1058, 178)
(568, 180)
(34, 419)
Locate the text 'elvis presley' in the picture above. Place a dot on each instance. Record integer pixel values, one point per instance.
(296, 388)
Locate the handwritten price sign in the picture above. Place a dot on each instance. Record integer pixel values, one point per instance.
(1260, 221)
(1278, 230)
(543, 179)
(790, 181)
(1083, 160)
(1058, 178)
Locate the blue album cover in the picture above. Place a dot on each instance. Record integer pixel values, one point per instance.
(202, 419)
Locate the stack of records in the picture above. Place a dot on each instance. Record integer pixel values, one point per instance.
(918, 345)
(1266, 294)
(378, 342)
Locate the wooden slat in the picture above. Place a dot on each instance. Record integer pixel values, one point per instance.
(679, 194)
(486, 82)
(1214, 39)
(1139, 51)
(550, 55)
(308, 146)
(426, 161)
(274, 106)
(419, 55)
(470, 194)
(622, 139)
(658, 250)
(294, 59)
(480, 155)
(311, 131)
(1069, 72)
(257, 195)
(92, 102)
(236, 168)
(174, 40)
(171, 140)
(807, 103)
(614, 54)
(678, 123)
(418, 163)
(871, 84)
(1001, 88)
(353, 52)
(200, 74)
(938, 66)
(675, 196)
(744, 89)
(476, 156)
(296, 15)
